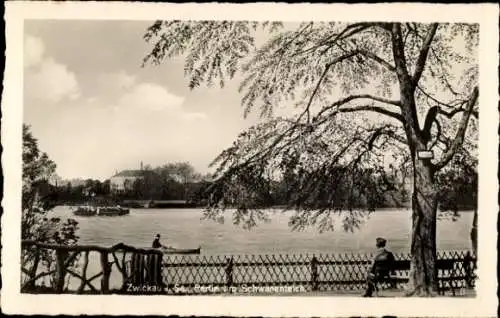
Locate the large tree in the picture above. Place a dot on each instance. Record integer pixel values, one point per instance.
(39, 197)
(349, 94)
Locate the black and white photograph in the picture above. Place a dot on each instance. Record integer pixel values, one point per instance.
(235, 159)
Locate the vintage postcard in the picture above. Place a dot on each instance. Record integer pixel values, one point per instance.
(250, 159)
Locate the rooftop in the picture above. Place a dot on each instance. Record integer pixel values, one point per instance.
(132, 173)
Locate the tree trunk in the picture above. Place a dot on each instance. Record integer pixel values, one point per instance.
(473, 232)
(423, 271)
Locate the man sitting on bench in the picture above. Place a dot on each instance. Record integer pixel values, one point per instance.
(380, 267)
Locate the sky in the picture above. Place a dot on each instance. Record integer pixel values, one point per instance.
(96, 111)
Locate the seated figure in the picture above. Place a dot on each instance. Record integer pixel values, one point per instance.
(380, 268)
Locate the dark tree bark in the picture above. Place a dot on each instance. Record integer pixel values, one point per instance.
(423, 272)
(473, 232)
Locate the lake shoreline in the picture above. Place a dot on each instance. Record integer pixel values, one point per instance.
(281, 208)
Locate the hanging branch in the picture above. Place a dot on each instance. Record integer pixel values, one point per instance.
(459, 137)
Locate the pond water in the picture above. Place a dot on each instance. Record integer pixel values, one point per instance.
(183, 228)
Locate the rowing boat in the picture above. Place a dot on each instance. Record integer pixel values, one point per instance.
(171, 250)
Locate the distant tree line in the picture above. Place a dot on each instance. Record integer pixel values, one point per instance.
(172, 181)
(359, 189)
(363, 189)
(68, 193)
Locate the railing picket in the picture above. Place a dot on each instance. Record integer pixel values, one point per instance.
(468, 270)
(229, 273)
(314, 273)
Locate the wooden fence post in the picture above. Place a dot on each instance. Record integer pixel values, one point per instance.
(138, 268)
(134, 276)
(84, 272)
(229, 272)
(32, 275)
(149, 275)
(314, 273)
(60, 269)
(154, 265)
(106, 271)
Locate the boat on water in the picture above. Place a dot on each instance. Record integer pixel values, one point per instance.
(171, 250)
(112, 211)
(165, 250)
(85, 211)
(101, 211)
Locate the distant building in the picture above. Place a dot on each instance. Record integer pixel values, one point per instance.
(176, 177)
(124, 180)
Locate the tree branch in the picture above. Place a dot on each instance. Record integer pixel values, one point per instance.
(384, 26)
(290, 41)
(440, 137)
(452, 104)
(389, 131)
(346, 100)
(422, 57)
(459, 137)
(429, 120)
(323, 75)
(348, 31)
(455, 111)
(443, 69)
(399, 53)
(440, 62)
(336, 108)
(378, 59)
(376, 109)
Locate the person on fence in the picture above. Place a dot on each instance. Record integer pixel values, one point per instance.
(380, 267)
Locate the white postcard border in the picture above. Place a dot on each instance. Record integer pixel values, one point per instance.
(484, 304)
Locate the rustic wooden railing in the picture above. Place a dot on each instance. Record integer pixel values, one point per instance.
(125, 269)
(59, 263)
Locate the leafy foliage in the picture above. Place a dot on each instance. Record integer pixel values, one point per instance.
(209, 56)
(458, 183)
(324, 170)
(340, 85)
(38, 197)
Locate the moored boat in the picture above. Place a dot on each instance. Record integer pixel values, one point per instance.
(85, 211)
(113, 211)
(100, 211)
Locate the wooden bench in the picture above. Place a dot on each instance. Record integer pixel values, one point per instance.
(444, 266)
